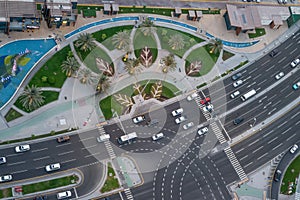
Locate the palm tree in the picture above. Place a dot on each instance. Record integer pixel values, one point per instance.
(176, 42)
(147, 27)
(85, 42)
(86, 76)
(132, 66)
(103, 84)
(121, 40)
(32, 98)
(169, 63)
(70, 66)
(216, 46)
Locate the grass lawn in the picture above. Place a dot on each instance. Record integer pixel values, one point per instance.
(104, 36)
(205, 12)
(140, 41)
(164, 35)
(110, 103)
(201, 54)
(52, 69)
(81, 8)
(50, 96)
(111, 182)
(290, 175)
(226, 55)
(89, 58)
(89, 13)
(5, 193)
(46, 185)
(157, 11)
(258, 32)
(12, 114)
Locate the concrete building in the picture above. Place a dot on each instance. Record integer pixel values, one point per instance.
(18, 15)
(245, 18)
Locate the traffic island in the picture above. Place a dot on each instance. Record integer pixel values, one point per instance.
(111, 182)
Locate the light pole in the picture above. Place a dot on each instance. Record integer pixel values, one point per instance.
(115, 113)
(251, 125)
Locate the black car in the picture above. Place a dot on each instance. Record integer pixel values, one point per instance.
(238, 120)
(277, 175)
(236, 76)
(274, 52)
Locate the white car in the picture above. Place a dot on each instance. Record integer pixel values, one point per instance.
(208, 108)
(22, 148)
(235, 94)
(294, 149)
(192, 96)
(279, 76)
(202, 131)
(103, 138)
(180, 119)
(188, 125)
(5, 178)
(52, 167)
(237, 83)
(296, 86)
(2, 160)
(138, 119)
(295, 62)
(157, 136)
(177, 112)
(63, 195)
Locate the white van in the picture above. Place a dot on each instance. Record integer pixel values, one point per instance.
(103, 138)
(64, 195)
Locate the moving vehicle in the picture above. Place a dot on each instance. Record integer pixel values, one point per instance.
(236, 76)
(188, 125)
(205, 101)
(177, 112)
(277, 175)
(237, 83)
(202, 131)
(279, 76)
(103, 138)
(157, 136)
(180, 119)
(294, 149)
(63, 138)
(52, 167)
(22, 148)
(63, 195)
(295, 62)
(127, 138)
(138, 119)
(274, 52)
(249, 94)
(6, 178)
(2, 160)
(238, 120)
(296, 85)
(235, 94)
(192, 96)
(208, 108)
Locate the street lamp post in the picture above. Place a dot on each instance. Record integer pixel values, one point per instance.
(251, 125)
(115, 113)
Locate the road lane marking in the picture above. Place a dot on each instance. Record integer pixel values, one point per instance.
(253, 70)
(293, 50)
(62, 145)
(262, 156)
(267, 61)
(243, 157)
(278, 102)
(238, 151)
(270, 68)
(272, 140)
(60, 154)
(268, 133)
(288, 46)
(94, 154)
(16, 154)
(72, 160)
(280, 61)
(248, 164)
(40, 167)
(257, 76)
(277, 146)
(89, 138)
(18, 172)
(286, 131)
(38, 150)
(253, 142)
(291, 137)
(88, 147)
(259, 148)
(282, 124)
(17, 163)
(262, 82)
(37, 159)
(295, 115)
(286, 87)
(297, 122)
(289, 94)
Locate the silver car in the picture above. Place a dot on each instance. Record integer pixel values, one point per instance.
(6, 178)
(188, 125)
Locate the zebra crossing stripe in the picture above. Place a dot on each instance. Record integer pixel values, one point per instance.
(235, 163)
(107, 144)
(128, 193)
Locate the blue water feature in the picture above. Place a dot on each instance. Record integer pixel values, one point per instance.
(234, 44)
(193, 28)
(37, 48)
(105, 21)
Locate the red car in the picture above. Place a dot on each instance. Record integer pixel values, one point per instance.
(205, 101)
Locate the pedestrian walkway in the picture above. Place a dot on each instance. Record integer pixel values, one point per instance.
(235, 163)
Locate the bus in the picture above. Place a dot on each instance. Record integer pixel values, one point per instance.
(249, 94)
(127, 138)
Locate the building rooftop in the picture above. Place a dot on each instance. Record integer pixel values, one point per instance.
(192, 13)
(13, 8)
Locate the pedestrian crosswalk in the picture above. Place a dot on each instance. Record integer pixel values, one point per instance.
(236, 165)
(107, 144)
(128, 194)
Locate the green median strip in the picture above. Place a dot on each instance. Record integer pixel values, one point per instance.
(5, 193)
(111, 182)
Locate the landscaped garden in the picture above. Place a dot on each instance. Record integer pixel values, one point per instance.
(5, 193)
(226, 55)
(111, 181)
(12, 114)
(258, 32)
(290, 176)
